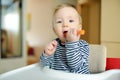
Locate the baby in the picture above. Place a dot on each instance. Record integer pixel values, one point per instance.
(67, 53)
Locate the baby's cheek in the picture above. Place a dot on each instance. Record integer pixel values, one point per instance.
(58, 25)
(74, 25)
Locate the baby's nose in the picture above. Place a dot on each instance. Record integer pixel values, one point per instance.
(65, 25)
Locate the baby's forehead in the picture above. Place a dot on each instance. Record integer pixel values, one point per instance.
(64, 11)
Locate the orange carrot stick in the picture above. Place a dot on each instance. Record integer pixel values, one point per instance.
(81, 32)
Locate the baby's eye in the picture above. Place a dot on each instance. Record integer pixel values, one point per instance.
(58, 21)
(71, 20)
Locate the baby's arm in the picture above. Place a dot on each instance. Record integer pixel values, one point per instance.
(47, 56)
(77, 56)
(46, 60)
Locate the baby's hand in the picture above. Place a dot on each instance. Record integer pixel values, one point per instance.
(50, 48)
(72, 35)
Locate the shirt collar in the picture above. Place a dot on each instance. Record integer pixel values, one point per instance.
(59, 41)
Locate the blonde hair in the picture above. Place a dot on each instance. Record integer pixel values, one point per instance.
(66, 5)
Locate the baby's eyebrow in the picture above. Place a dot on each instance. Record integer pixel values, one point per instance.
(70, 17)
(58, 20)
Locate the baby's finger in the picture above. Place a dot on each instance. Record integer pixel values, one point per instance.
(54, 43)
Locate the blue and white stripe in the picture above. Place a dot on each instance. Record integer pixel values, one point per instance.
(71, 57)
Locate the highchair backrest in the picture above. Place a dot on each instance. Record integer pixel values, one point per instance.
(97, 58)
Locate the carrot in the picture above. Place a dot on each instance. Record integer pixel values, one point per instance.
(81, 32)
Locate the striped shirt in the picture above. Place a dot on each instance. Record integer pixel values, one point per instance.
(71, 57)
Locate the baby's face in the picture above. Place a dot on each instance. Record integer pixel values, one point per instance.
(65, 18)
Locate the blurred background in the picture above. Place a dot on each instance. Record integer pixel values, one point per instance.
(26, 26)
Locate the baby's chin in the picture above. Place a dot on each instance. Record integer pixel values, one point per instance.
(63, 40)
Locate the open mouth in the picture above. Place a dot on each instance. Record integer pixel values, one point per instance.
(65, 33)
